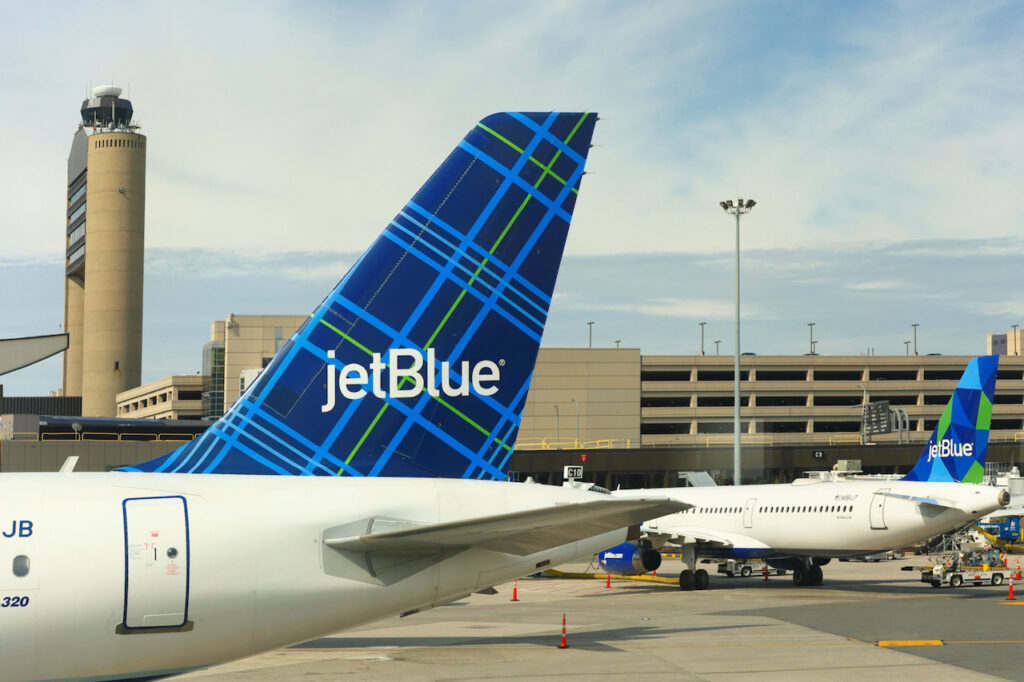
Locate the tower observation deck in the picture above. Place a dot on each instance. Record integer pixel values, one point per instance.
(106, 109)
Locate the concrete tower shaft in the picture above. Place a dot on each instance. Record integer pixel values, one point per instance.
(74, 321)
(115, 238)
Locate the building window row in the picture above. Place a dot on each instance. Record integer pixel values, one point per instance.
(767, 426)
(819, 375)
(76, 214)
(153, 400)
(76, 234)
(76, 255)
(78, 194)
(815, 400)
(128, 143)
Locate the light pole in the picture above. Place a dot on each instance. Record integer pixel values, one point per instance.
(811, 326)
(702, 336)
(907, 344)
(558, 429)
(577, 404)
(737, 209)
(1016, 345)
(617, 342)
(915, 326)
(716, 347)
(590, 334)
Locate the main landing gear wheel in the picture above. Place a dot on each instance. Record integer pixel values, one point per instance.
(801, 576)
(746, 571)
(686, 580)
(815, 576)
(700, 579)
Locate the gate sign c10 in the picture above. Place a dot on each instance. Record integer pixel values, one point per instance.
(572, 472)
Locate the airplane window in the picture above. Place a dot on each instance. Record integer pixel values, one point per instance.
(21, 566)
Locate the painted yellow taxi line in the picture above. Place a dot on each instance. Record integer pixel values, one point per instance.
(910, 642)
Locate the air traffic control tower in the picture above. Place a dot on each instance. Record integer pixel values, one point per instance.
(105, 240)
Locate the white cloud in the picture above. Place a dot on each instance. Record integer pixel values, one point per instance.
(879, 285)
(305, 127)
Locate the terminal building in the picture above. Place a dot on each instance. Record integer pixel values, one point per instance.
(640, 419)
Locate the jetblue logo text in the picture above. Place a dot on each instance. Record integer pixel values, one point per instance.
(19, 528)
(355, 381)
(947, 448)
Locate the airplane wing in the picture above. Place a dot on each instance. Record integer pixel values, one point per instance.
(520, 533)
(688, 534)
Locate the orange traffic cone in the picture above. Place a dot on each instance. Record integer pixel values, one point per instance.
(1009, 597)
(766, 572)
(608, 580)
(654, 573)
(562, 644)
(1018, 570)
(515, 590)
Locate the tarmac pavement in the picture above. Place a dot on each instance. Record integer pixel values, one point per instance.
(741, 628)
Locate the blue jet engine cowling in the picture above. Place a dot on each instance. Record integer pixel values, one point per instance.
(629, 559)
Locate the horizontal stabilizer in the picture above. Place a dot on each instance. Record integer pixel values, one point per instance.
(520, 533)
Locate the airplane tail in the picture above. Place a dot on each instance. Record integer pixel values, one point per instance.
(418, 362)
(956, 450)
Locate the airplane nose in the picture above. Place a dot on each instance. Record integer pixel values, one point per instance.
(1004, 498)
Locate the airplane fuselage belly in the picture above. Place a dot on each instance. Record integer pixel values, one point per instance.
(822, 519)
(245, 576)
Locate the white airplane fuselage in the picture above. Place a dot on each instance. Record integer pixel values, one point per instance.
(106, 550)
(826, 518)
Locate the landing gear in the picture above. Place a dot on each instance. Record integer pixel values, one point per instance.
(686, 580)
(805, 576)
(801, 576)
(816, 575)
(700, 579)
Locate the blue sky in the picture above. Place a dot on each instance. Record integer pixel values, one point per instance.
(880, 140)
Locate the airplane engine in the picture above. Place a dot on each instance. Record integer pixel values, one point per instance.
(629, 559)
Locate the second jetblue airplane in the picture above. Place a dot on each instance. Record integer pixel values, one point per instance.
(314, 503)
(802, 525)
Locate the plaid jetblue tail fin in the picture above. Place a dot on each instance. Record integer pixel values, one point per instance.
(418, 362)
(956, 450)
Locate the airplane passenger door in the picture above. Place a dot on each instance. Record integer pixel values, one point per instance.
(156, 561)
(878, 510)
(748, 513)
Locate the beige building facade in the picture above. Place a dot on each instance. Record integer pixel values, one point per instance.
(583, 395)
(173, 397)
(687, 400)
(249, 343)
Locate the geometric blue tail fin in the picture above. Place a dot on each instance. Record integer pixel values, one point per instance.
(418, 362)
(957, 447)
